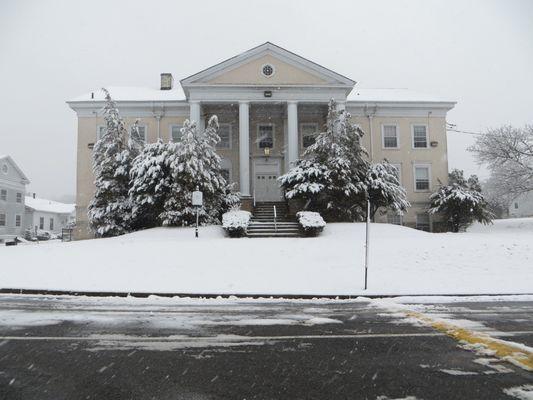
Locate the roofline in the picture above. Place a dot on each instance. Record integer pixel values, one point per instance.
(25, 179)
(254, 49)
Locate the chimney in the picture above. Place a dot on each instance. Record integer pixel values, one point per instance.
(166, 81)
(33, 194)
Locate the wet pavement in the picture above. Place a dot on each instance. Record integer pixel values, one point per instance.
(90, 348)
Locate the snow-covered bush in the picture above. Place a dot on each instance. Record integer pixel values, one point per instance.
(151, 182)
(384, 189)
(460, 202)
(235, 222)
(311, 223)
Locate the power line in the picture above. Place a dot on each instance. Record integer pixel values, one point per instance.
(453, 128)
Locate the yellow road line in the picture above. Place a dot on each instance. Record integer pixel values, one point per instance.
(502, 349)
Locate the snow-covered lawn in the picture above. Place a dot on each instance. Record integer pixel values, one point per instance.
(493, 259)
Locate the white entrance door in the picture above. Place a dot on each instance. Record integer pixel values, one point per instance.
(266, 181)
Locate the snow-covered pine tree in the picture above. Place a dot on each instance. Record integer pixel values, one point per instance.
(384, 188)
(460, 202)
(109, 210)
(151, 183)
(331, 175)
(196, 164)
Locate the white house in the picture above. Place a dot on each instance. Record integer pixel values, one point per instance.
(48, 215)
(12, 192)
(522, 206)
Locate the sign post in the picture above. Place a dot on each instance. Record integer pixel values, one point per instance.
(367, 241)
(197, 202)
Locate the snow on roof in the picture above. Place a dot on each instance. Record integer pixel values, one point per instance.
(132, 93)
(393, 95)
(49, 205)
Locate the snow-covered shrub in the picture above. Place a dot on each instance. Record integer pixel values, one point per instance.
(460, 202)
(311, 223)
(235, 222)
(384, 189)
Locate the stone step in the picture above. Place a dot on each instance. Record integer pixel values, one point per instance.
(270, 235)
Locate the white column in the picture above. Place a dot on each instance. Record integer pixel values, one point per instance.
(194, 109)
(292, 127)
(244, 147)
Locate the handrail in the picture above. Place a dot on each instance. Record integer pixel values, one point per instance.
(275, 218)
(254, 197)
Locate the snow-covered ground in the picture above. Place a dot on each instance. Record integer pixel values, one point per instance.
(493, 259)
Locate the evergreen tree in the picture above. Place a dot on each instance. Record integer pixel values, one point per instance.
(331, 175)
(151, 182)
(109, 210)
(460, 202)
(384, 188)
(196, 164)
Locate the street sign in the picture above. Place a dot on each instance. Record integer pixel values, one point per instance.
(197, 198)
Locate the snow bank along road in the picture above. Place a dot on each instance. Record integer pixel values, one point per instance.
(485, 260)
(168, 348)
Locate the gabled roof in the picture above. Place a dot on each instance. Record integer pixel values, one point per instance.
(24, 178)
(329, 76)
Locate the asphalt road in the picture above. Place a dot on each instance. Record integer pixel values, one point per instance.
(70, 348)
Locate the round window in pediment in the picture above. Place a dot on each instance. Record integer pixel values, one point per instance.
(4, 168)
(268, 70)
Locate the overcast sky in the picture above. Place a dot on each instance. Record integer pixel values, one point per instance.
(477, 52)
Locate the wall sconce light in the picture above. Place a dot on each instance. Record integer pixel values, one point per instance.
(267, 152)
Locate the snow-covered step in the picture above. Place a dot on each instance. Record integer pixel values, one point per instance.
(273, 234)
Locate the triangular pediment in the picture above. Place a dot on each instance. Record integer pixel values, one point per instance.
(283, 68)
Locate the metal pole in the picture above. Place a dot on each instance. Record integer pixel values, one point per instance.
(196, 233)
(367, 241)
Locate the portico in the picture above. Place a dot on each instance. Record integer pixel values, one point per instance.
(258, 97)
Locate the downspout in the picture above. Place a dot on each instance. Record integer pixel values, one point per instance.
(370, 116)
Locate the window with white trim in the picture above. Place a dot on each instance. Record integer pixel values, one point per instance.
(2, 219)
(51, 224)
(100, 131)
(19, 197)
(422, 222)
(394, 218)
(422, 177)
(141, 133)
(390, 136)
(3, 194)
(41, 223)
(175, 132)
(18, 220)
(309, 133)
(224, 131)
(420, 137)
(265, 135)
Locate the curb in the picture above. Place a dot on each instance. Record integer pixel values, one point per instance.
(235, 295)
